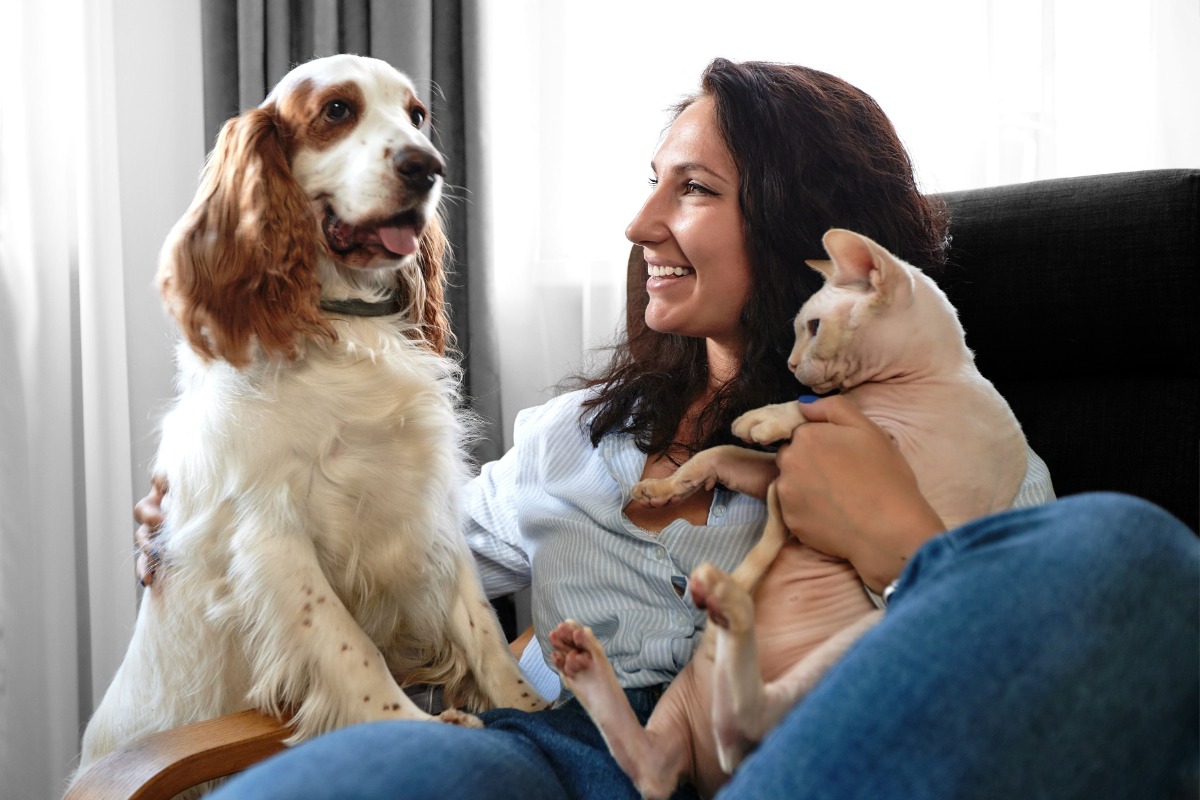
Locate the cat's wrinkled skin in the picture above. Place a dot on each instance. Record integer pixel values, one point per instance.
(884, 335)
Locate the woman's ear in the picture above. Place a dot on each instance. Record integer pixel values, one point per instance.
(239, 268)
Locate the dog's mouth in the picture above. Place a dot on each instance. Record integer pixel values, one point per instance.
(399, 235)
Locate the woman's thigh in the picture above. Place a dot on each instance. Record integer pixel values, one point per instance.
(402, 759)
(557, 753)
(1048, 652)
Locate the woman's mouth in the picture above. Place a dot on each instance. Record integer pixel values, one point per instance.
(656, 271)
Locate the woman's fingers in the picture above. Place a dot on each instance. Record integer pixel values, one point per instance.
(149, 515)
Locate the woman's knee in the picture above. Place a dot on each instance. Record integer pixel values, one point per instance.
(1125, 541)
(1100, 539)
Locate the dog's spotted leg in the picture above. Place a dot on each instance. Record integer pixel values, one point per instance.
(474, 628)
(654, 757)
(306, 652)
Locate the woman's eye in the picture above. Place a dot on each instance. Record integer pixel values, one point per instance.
(337, 110)
(417, 115)
(691, 187)
(652, 181)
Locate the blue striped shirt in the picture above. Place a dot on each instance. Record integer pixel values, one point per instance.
(550, 514)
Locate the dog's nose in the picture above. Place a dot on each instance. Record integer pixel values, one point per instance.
(419, 168)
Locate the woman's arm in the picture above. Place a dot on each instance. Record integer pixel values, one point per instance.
(847, 491)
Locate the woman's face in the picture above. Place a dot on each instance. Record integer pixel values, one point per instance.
(691, 230)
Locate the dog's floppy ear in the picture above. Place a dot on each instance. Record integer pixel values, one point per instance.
(240, 267)
(858, 262)
(432, 316)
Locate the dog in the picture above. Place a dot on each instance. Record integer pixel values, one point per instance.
(316, 448)
(883, 334)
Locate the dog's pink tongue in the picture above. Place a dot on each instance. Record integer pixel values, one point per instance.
(401, 240)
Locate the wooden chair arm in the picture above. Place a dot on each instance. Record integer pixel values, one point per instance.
(164, 764)
(161, 765)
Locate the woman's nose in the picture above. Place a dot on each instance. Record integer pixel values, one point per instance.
(648, 226)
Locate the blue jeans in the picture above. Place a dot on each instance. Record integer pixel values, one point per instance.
(1049, 652)
(557, 753)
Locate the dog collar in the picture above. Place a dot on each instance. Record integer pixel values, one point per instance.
(363, 308)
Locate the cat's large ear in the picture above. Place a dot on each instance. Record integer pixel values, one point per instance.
(860, 262)
(821, 265)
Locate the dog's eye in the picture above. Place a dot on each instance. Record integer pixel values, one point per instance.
(813, 324)
(337, 111)
(417, 115)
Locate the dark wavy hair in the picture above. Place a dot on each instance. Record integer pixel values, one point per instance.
(813, 153)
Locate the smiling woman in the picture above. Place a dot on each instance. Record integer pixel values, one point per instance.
(690, 230)
(982, 94)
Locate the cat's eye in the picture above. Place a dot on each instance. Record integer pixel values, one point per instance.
(813, 324)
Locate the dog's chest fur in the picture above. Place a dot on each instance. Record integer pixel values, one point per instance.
(351, 406)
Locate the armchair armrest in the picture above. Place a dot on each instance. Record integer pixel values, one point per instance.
(161, 765)
(164, 764)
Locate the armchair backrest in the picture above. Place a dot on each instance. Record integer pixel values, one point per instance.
(1079, 298)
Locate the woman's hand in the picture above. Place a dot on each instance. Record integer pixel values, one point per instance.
(847, 491)
(149, 516)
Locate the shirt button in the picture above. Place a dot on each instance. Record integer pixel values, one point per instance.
(681, 619)
(660, 553)
(718, 511)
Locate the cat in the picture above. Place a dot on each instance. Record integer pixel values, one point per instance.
(885, 336)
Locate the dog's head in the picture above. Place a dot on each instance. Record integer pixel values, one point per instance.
(330, 178)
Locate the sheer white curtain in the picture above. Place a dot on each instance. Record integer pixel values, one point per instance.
(983, 92)
(100, 143)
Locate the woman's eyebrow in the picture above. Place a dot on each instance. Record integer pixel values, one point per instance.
(691, 166)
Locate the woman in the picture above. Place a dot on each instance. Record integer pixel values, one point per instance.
(749, 175)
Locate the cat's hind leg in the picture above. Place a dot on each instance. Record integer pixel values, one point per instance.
(654, 759)
(739, 695)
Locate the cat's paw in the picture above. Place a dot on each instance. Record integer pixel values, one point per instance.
(656, 492)
(768, 424)
(574, 649)
(732, 749)
(727, 604)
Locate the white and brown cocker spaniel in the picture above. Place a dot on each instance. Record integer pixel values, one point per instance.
(315, 452)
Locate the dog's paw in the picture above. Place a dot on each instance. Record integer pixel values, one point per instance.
(452, 716)
(727, 604)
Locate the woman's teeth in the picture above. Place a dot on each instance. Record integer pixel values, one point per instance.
(666, 272)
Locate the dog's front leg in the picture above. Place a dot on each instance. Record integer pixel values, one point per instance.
(306, 651)
(474, 628)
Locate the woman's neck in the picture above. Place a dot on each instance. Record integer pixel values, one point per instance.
(724, 363)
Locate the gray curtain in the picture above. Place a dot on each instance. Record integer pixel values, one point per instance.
(250, 44)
